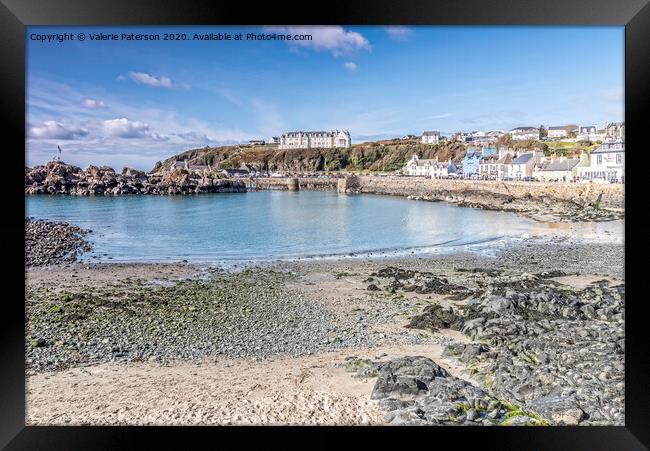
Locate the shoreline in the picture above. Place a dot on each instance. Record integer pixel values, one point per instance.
(568, 202)
(331, 315)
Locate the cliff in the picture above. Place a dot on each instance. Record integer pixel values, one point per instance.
(57, 177)
(374, 156)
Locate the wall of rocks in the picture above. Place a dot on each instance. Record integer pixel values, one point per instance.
(607, 196)
(284, 183)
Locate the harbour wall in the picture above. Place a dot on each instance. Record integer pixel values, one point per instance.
(606, 196)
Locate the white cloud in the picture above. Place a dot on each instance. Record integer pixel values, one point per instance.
(398, 33)
(93, 104)
(57, 130)
(120, 77)
(441, 116)
(334, 39)
(124, 128)
(352, 67)
(143, 78)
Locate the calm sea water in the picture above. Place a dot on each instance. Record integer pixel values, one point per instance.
(271, 225)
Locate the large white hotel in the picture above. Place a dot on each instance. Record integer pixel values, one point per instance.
(322, 139)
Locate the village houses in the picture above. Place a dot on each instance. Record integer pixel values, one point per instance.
(525, 133)
(603, 165)
(560, 169)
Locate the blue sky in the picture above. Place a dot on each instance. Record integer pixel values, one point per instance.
(132, 103)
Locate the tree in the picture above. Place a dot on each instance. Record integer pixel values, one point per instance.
(543, 133)
(504, 140)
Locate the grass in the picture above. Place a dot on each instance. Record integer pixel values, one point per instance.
(516, 411)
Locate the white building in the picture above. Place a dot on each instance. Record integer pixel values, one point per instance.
(443, 170)
(320, 139)
(590, 133)
(615, 130)
(558, 132)
(606, 164)
(525, 133)
(522, 166)
(419, 167)
(431, 137)
(495, 167)
(559, 170)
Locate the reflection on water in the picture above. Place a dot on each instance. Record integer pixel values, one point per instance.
(270, 224)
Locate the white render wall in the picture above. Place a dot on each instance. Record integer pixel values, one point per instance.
(306, 140)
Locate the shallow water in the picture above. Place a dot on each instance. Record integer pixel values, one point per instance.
(270, 225)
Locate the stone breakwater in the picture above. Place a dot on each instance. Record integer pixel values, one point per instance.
(297, 183)
(559, 201)
(59, 178)
(51, 243)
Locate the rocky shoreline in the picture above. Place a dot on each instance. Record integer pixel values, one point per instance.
(57, 177)
(533, 344)
(555, 202)
(53, 243)
(554, 350)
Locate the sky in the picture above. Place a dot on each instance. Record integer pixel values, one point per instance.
(132, 103)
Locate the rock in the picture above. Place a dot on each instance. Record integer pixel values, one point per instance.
(435, 317)
(57, 177)
(38, 342)
(373, 287)
(48, 242)
(405, 376)
(561, 410)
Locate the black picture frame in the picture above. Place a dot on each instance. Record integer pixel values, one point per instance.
(15, 15)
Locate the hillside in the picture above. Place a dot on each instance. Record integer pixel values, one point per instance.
(373, 156)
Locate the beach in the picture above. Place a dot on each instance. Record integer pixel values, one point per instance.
(335, 341)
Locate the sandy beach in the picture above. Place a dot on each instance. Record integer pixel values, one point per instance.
(290, 341)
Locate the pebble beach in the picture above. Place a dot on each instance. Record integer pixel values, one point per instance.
(533, 334)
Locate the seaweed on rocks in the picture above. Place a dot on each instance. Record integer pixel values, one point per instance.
(414, 390)
(554, 350)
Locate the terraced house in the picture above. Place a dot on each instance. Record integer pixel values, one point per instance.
(472, 162)
(606, 164)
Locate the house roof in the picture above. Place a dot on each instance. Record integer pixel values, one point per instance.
(557, 165)
(521, 129)
(523, 158)
(506, 159)
(604, 148)
(425, 162)
(489, 159)
(560, 127)
(431, 133)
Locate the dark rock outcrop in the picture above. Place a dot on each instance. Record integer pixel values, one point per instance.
(57, 177)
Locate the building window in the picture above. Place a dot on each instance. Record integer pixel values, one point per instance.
(599, 159)
(619, 158)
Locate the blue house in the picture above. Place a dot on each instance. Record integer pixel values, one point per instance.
(471, 162)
